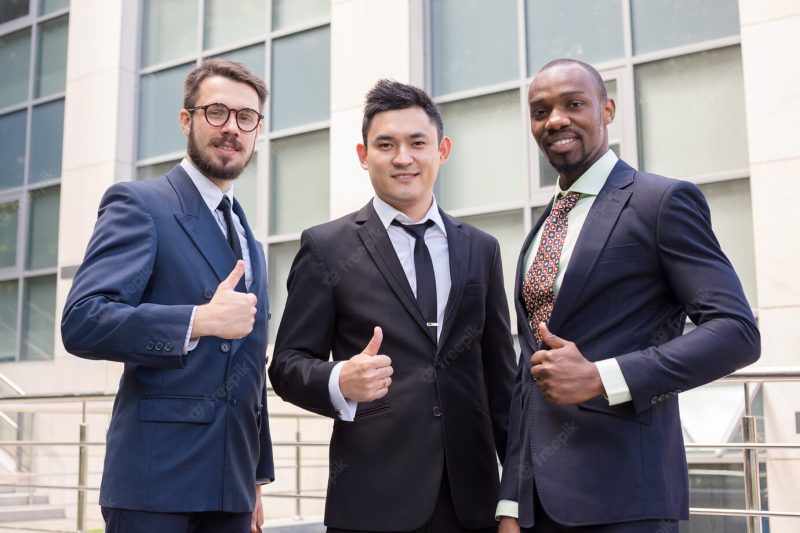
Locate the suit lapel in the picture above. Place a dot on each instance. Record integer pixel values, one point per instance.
(376, 241)
(458, 249)
(519, 303)
(599, 222)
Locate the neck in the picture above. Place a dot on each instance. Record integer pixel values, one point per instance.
(415, 212)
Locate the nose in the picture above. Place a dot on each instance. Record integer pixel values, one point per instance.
(557, 119)
(402, 158)
(231, 126)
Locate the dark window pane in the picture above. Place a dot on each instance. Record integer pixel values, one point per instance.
(47, 133)
(12, 149)
(48, 6)
(160, 100)
(51, 63)
(43, 230)
(8, 320)
(13, 9)
(660, 24)
(38, 319)
(9, 220)
(15, 57)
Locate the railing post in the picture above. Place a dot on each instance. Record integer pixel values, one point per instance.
(82, 472)
(752, 485)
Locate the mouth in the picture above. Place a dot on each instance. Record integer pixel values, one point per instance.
(562, 144)
(227, 148)
(405, 177)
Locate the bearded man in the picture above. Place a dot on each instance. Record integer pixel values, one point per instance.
(174, 285)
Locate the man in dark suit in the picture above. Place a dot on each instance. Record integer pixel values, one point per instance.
(174, 285)
(605, 281)
(418, 430)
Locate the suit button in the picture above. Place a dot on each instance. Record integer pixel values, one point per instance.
(159, 346)
(225, 347)
(208, 294)
(654, 400)
(150, 345)
(437, 411)
(269, 316)
(439, 365)
(233, 400)
(168, 347)
(662, 397)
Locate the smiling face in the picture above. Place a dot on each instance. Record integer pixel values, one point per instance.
(220, 152)
(403, 158)
(569, 119)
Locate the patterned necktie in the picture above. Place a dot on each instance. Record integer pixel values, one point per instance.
(537, 288)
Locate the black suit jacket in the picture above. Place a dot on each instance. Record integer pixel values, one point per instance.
(644, 260)
(447, 402)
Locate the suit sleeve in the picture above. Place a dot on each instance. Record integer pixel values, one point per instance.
(705, 285)
(497, 349)
(509, 482)
(104, 316)
(300, 365)
(265, 470)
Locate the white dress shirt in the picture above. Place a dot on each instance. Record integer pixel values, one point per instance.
(403, 244)
(212, 196)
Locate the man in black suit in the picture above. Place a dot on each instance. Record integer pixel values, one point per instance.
(605, 282)
(418, 430)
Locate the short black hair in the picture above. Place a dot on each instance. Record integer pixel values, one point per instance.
(389, 95)
(598, 79)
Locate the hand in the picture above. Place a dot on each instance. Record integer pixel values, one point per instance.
(508, 525)
(562, 373)
(258, 513)
(229, 314)
(366, 376)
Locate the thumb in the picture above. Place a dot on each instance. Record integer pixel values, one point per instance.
(374, 344)
(233, 278)
(550, 339)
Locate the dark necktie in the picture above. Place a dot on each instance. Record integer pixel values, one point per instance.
(537, 288)
(233, 235)
(426, 279)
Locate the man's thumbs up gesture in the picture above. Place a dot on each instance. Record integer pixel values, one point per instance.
(229, 314)
(562, 373)
(366, 376)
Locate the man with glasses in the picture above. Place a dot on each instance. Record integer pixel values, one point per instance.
(174, 285)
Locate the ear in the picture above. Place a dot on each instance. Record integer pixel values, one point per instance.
(444, 149)
(609, 111)
(361, 150)
(185, 120)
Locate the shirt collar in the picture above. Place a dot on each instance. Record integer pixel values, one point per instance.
(387, 213)
(211, 194)
(594, 178)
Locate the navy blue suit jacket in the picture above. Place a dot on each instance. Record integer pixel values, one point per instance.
(645, 258)
(188, 432)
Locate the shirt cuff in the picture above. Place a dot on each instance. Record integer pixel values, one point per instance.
(507, 508)
(188, 343)
(613, 381)
(345, 409)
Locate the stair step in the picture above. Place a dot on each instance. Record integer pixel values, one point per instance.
(19, 513)
(22, 498)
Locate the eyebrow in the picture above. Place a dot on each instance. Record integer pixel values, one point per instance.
(565, 94)
(387, 137)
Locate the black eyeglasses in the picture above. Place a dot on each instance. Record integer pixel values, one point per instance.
(217, 114)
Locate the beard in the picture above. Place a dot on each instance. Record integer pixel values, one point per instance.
(224, 171)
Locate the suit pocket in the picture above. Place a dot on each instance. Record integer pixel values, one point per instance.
(187, 409)
(370, 410)
(625, 252)
(622, 410)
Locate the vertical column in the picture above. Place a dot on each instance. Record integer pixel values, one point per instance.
(772, 90)
(369, 40)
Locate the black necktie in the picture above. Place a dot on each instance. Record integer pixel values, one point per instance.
(426, 279)
(233, 235)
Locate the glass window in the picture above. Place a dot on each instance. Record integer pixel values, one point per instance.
(691, 116)
(51, 63)
(160, 100)
(153, 171)
(509, 231)
(15, 56)
(49, 6)
(473, 44)
(288, 13)
(9, 219)
(38, 322)
(486, 165)
(13, 9)
(170, 30)
(246, 190)
(12, 149)
(47, 132)
(43, 230)
(8, 320)
(281, 256)
(252, 57)
(660, 24)
(732, 220)
(588, 30)
(299, 182)
(301, 72)
(224, 25)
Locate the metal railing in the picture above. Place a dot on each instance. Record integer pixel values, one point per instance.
(750, 449)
